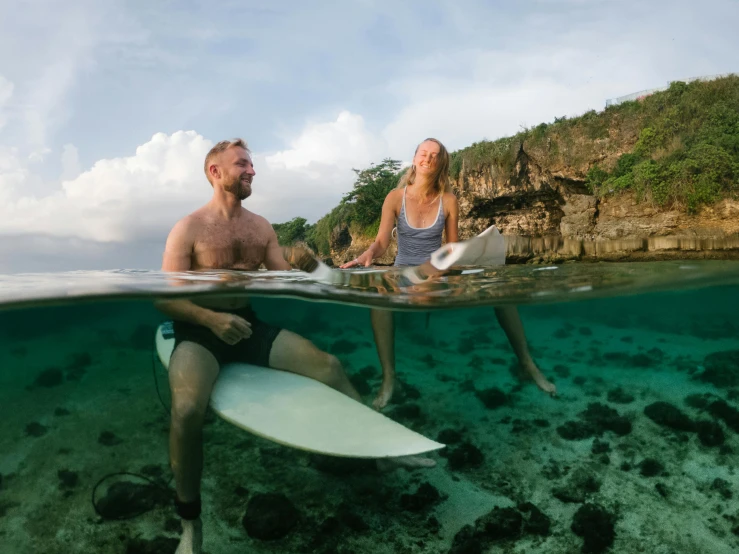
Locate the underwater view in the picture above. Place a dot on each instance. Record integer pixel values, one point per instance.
(636, 452)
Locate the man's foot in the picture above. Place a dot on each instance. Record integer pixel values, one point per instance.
(407, 462)
(191, 541)
(530, 371)
(383, 396)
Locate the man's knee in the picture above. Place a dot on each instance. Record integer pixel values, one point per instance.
(332, 372)
(188, 411)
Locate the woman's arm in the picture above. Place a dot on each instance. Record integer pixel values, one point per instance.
(451, 227)
(387, 222)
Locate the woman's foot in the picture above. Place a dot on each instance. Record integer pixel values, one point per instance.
(531, 371)
(384, 395)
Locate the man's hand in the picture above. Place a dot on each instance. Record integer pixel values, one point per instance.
(229, 328)
(300, 258)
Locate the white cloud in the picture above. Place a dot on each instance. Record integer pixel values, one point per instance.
(6, 92)
(39, 155)
(140, 197)
(70, 162)
(118, 199)
(309, 178)
(12, 175)
(344, 143)
(500, 93)
(458, 119)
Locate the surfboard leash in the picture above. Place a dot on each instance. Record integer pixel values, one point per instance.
(152, 483)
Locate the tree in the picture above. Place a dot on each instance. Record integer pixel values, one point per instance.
(292, 231)
(370, 189)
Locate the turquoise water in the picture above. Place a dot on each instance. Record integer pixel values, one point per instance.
(637, 453)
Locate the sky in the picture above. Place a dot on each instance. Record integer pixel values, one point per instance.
(107, 109)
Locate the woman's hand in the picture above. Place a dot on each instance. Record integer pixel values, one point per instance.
(365, 260)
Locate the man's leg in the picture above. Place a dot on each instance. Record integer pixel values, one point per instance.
(384, 330)
(291, 352)
(192, 372)
(510, 321)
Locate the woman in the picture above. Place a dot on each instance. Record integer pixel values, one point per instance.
(425, 207)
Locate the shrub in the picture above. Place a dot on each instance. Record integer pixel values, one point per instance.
(595, 179)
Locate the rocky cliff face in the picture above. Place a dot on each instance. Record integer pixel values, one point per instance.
(547, 214)
(535, 202)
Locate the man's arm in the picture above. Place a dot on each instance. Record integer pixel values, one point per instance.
(177, 256)
(179, 247)
(274, 258)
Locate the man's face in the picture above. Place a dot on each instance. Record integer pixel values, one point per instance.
(237, 172)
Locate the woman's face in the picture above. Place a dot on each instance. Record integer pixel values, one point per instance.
(426, 158)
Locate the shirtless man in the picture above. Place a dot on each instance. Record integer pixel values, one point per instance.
(224, 235)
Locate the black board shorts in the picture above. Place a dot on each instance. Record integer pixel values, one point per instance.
(254, 350)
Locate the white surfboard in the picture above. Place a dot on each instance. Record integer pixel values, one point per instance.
(300, 412)
(486, 249)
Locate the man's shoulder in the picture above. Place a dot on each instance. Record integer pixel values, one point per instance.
(187, 227)
(257, 220)
(189, 222)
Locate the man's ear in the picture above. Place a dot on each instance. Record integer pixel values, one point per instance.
(214, 171)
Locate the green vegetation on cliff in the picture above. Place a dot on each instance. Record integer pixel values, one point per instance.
(679, 147)
(676, 147)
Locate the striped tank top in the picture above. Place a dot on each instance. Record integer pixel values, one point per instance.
(416, 244)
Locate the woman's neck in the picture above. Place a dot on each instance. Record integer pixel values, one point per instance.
(423, 187)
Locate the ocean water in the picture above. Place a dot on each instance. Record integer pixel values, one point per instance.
(638, 452)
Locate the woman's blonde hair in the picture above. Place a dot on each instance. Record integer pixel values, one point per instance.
(440, 181)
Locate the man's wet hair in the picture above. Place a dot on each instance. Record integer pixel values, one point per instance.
(220, 148)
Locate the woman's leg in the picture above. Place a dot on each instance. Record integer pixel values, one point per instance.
(384, 330)
(510, 321)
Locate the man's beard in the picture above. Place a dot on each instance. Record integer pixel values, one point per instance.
(240, 188)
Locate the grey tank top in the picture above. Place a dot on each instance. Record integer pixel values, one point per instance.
(416, 244)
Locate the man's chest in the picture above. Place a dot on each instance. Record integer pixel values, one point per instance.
(230, 250)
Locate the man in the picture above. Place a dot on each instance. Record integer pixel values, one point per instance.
(209, 333)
